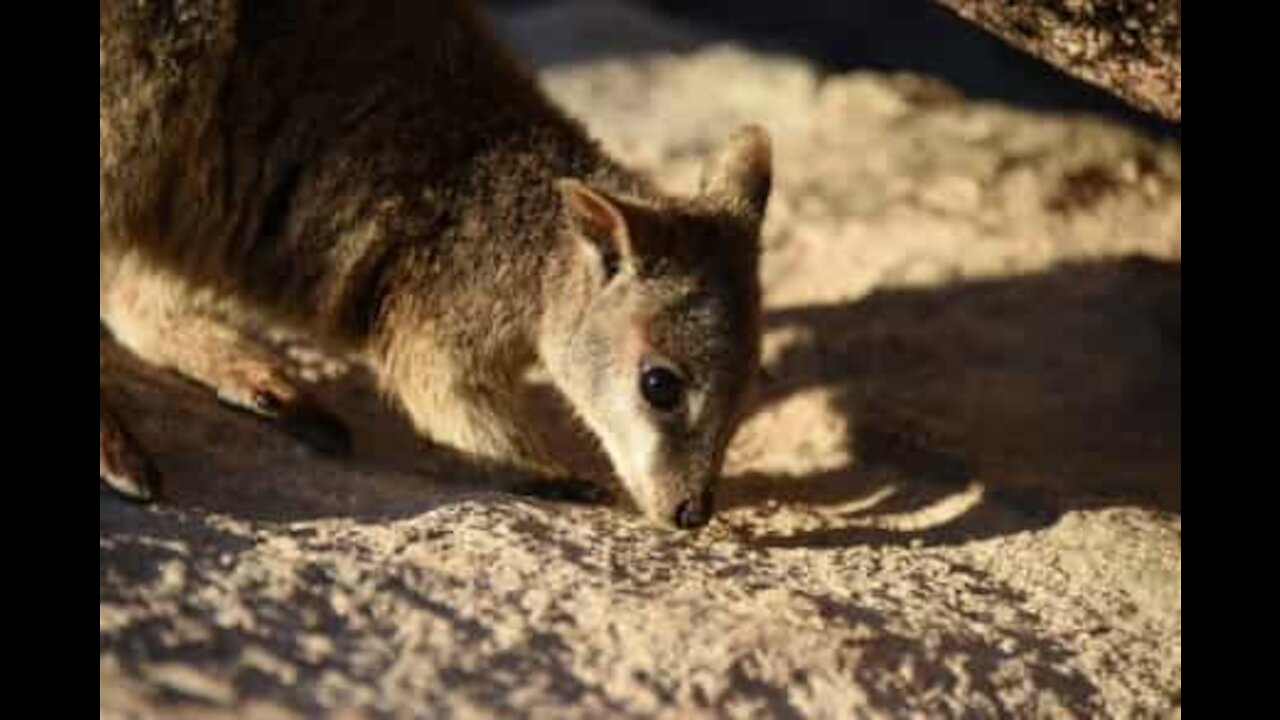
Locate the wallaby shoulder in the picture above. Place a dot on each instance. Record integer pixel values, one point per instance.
(295, 152)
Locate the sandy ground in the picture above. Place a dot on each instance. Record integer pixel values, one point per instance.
(960, 495)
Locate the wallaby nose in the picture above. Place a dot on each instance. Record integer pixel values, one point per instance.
(695, 511)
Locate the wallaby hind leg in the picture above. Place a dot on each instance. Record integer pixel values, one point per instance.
(122, 464)
(167, 329)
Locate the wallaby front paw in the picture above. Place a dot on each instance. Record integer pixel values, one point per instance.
(269, 394)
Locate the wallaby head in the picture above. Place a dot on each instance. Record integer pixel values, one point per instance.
(652, 326)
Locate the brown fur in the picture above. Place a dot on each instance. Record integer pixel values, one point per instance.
(385, 177)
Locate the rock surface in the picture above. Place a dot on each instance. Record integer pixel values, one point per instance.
(1131, 47)
(960, 496)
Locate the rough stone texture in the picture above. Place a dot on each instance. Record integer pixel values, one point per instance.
(1131, 47)
(961, 494)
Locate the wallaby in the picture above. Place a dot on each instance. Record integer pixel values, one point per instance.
(385, 177)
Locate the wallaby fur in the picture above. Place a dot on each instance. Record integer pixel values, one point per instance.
(383, 176)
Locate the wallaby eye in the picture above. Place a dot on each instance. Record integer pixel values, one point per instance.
(661, 388)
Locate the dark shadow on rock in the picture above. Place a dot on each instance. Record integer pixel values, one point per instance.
(1053, 391)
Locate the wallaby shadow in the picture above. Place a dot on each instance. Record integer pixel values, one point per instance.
(989, 406)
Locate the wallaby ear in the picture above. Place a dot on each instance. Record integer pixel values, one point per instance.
(742, 173)
(597, 219)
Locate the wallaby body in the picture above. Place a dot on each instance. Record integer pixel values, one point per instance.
(386, 178)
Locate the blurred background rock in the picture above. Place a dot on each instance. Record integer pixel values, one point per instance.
(919, 36)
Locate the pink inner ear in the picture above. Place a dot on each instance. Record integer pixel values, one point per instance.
(599, 220)
(594, 217)
(592, 212)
